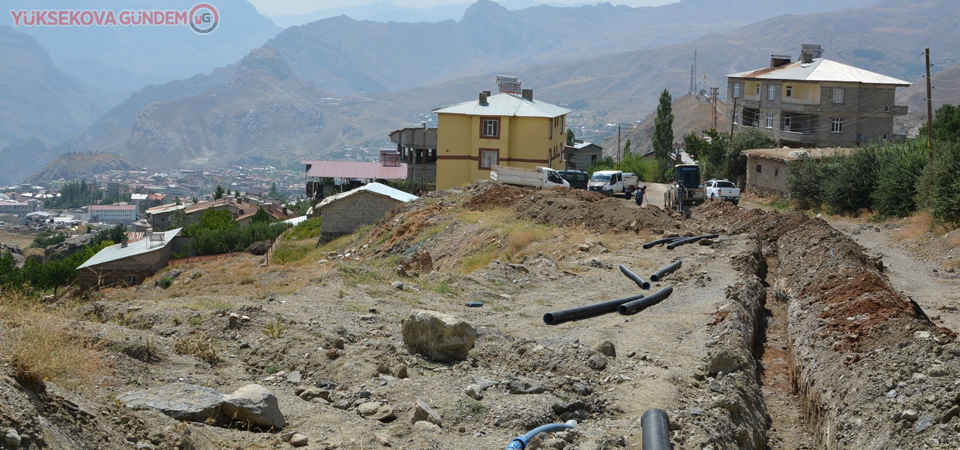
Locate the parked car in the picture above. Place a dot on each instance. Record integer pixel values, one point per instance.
(538, 178)
(722, 190)
(613, 182)
(577, 178)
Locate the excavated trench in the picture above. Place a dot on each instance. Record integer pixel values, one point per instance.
(814, 349)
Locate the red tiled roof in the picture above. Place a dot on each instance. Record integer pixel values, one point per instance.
(348, 169)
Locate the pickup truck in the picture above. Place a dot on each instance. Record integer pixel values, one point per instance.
(613, 182)
(539, 178)
(722, 189)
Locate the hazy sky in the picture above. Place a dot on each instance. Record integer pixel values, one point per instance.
(280, 7)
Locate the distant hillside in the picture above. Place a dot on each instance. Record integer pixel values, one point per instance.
(946, 91)
(692, 114)
(79, 166)
(38, 99)
(122, 59)
(22, 158)
(345, 56)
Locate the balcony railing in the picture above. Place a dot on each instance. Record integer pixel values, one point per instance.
(797, 136)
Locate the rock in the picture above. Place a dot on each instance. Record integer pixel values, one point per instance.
(597, 362)
(11, 439)
(312, 392)
(368, 409)
(254, 405)
(924, 423)
(397, 284)
(420, 261)
(179, 400)
(473, 391)
(438, 336)
(422, 411)
(426, 427)
(583, 247)
(606, 348)
(144, 445)
(298, 440)
(909, 415)
(259, 248)
(234, 320)
(484, 383)
(295, 377)
(938, 370)
(401, 372)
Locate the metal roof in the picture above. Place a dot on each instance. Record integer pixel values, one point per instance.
(820, 70)
(505, 105)
(117, 252)
(376, 188)
(348, 169)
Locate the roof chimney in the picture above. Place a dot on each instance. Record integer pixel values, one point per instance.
(527, 94)
(810, 51)
(779, 60)
(483, 97)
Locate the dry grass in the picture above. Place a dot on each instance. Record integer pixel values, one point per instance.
(916, 225)
(44, 345)
(198, 344)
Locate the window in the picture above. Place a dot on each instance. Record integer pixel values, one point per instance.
(886, 108)
(736, 91)
(550, 125)
(838, 95)
(758, 89)
(788, 92)
(836, 124)
(787, 121)
(489, 157)
(490, 128)
(771, 92)
(759, 168)
(884, 136)
(776, 172)
(769, 120)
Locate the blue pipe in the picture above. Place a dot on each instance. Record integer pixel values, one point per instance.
(521, 442)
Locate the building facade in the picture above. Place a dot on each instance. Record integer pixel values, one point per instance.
(117, 214)
(502, 129)
(768, 169)
(814, 102)
(582, 155)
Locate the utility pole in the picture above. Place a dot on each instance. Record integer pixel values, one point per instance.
(929, 109)
(714, 92)
(619, 149)
(733, 118)
(423, 160)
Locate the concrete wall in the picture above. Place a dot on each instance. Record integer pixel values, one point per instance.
(125, 272)
(771, 176)
(348, 214)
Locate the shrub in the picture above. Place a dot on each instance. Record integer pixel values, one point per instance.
(165, 282)
(274, 328)
(805, 181)
(851, 182)
(939, 184)
(197, 344)
(899, 170)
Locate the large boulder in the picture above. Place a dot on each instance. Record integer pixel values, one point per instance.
(438, 336)
(179, 400)
(254, 405)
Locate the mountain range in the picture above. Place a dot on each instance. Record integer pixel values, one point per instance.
(319, 89)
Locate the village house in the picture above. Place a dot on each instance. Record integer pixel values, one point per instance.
(509, 128)
(417, 146)
(581, 155)
(167, 216)
(349, 173)
(814, 102)
(128, 264)
(346, 212)
(767, 169)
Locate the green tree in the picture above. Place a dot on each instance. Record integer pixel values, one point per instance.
(626, 148)
(261, 216)
(735, 162)
(570, 137)
(946, 124)
(218, 193)
(274, 193)
(663, 133)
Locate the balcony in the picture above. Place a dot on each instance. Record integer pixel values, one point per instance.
(798, 137)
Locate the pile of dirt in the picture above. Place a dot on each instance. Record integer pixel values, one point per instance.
(571, 207)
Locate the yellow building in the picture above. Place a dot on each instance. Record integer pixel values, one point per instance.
(502, 129)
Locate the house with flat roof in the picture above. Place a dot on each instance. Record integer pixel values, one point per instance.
(507, 129)
(114, 214)
(581, 155)
(814, 102)
(768, 168)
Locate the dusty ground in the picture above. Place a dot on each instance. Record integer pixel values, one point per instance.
(718, 354)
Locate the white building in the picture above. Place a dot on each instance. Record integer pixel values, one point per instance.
(125, 214)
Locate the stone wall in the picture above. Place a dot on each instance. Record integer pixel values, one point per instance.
(346, 215)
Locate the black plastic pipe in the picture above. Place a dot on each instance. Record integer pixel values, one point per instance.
(650, 300)
(636, 278)
(586, 312)
(656, 430)
(658, 275)
(690, 240)
(659, 241)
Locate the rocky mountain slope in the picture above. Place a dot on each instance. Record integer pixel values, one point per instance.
(79, 166)
(22, 158)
